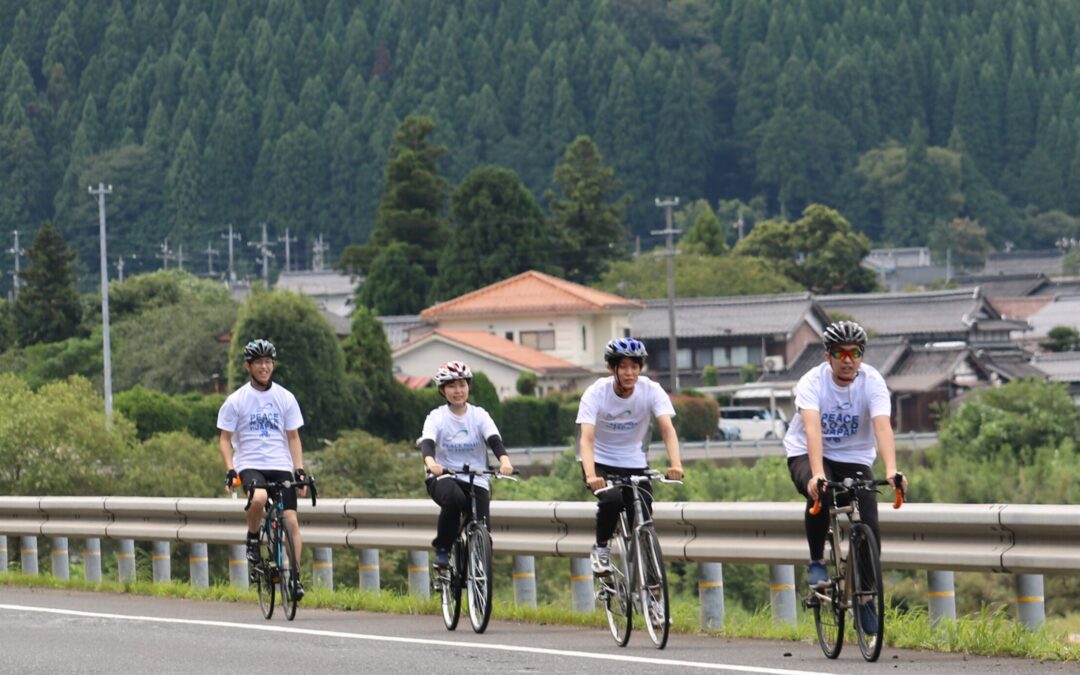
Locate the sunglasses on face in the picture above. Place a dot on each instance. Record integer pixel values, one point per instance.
(841, 354)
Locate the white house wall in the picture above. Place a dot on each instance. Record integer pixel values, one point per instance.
(425, 359)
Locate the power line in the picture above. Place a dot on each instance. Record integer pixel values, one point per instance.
(232, 270)
(17, 252)
(263, 247)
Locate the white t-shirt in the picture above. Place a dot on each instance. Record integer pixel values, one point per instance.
(622, 423)
(460, 440)
(258, 421)
(846, 414)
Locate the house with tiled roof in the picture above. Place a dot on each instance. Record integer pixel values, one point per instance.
(501, 360)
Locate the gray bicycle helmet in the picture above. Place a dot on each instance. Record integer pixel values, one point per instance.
(258, 349)
(844, 333)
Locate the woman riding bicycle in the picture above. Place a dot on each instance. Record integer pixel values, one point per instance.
(454, 435)
(614, 416)
(830, 437)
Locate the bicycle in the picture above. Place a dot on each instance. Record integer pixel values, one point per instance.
(856, 579)
(470, 560)
(277, 570)
(638, 577)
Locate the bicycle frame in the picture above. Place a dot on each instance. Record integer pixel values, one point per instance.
(276, 536)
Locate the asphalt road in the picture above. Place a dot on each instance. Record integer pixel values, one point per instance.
(48, 631)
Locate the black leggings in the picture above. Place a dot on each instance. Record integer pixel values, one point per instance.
(817, 527)
(450, 494)
(611, 502)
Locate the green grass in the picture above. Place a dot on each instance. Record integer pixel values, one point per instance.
(990, 632)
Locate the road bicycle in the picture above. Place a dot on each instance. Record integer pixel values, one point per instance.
(470, 559)
(638, 578)
(855, 584)
(278, 571)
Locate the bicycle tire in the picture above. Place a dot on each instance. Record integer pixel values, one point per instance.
(479, 580)
(653, 587)
(828, 606)
(450, 586)
(288, 574)
(260, 574)
(614, 589)
(867, 589)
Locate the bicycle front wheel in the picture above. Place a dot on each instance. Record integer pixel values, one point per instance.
(289, 572)
(867, 592)
(260, 574)
(615, 592)
(653, 589)
(479, 579)
(828, 606)
(450, 586)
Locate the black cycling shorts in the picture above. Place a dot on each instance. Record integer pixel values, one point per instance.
(261, 477)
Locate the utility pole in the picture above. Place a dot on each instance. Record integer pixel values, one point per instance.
(232, 270)
(99, 194)
(739, 225)
(318, 250)
(166, 253)
(669, 231)
(180, 256)
(17, 252)
(287, 239)
(120, 268)
(263, 247)
(210, 253)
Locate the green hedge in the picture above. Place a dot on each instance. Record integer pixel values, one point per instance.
(154, 412)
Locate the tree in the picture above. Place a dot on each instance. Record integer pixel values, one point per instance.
(395, 283)
(706, 235)
(962, 241)
(48, 307)
(368, 359)
(589, 223)
(1062, 339)
(499, 232)
(695, 276)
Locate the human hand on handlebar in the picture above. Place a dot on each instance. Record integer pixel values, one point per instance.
(231, 480)
(435, 468)
(595, 482)
(812, 486)
(675, 473)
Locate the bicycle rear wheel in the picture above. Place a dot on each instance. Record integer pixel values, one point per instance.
(260, 574)
(479, 578)
(615, 591)
(450, 586)
(653, 591)
(867, 591)
(289, 573)
(828, 608)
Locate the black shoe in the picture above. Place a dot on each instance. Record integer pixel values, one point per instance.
(299, 591)
(253, 551)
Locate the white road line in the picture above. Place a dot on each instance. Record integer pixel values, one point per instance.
(419, 641)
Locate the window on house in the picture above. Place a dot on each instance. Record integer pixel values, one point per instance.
(720, 357)
(703, 357)
(740, 355)
(754, 355)
(684, 358)
(662, 360)
(544, 340)
(510, 335)
(584, 344)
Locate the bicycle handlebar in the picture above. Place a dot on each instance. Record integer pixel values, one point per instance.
(308, 482)
(487, 471)
(853, 484)
(612, 481)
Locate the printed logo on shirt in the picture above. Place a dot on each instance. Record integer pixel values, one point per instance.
(612, 423)
(265, 419)
(838, 424)
(459, 441)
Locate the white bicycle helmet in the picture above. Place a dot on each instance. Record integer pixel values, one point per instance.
(452, 370)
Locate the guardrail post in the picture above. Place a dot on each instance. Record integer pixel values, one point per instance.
(581, 585)
(782, 593)
(60, 567)
(525, 580)
(711, 594)
(3, 553)
(1030, 603)
(199, 565)
(322, 568)
(28, 554)
(368, 569)
(161, 561)
(238, 567)
(92, 560)
(941, 595)
(125, 560)
(419, 574)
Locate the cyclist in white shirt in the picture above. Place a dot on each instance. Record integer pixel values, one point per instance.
(455, 435)
(614, 416)
(260, 441)
(843, 424)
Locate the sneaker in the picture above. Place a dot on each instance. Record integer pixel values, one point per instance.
(253, 551)
(817, 574)
(299, 591)
(868, 618)
(601, 560)
(442, 557)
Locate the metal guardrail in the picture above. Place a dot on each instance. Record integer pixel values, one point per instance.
(959, 537)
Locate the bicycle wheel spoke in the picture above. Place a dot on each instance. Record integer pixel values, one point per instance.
(289, 573)
(654, 587)
(449, 584)
(479, 580)
(614, 591)
(260, 575)
(868, 597)
(828, 609)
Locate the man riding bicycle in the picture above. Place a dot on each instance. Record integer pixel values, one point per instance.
(614, 416)
(830, 437)
(260, 442)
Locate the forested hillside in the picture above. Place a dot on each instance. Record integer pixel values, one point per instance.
(901, 114)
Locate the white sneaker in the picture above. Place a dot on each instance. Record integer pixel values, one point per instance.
(601, 560)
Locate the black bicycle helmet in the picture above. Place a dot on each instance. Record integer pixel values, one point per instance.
(258, 349)
(625, 346)
(844, 333)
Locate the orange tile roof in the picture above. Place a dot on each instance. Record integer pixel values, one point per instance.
(1022, 307)
(529, 293)
(498, 347)
(413, 381)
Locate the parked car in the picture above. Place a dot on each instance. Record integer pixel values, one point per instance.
(728, 431)
(753, 422)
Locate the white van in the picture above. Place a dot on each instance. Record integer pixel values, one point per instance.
(753, 422)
